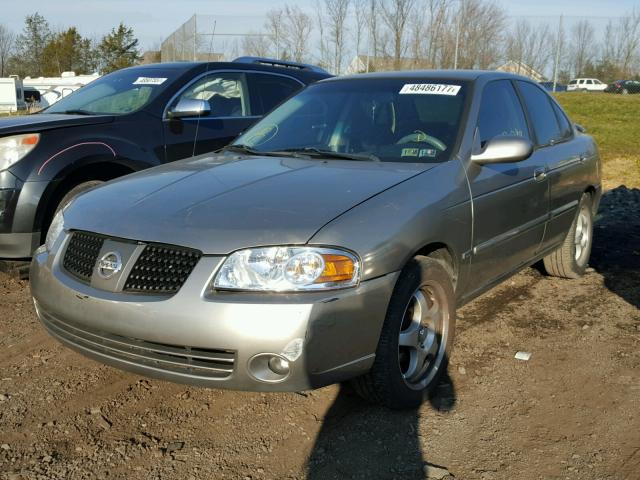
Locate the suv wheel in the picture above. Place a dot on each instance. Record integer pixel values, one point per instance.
(572, 258)
(416, 338)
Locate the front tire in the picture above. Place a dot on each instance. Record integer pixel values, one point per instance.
(416, 338)
(75, 191)
(572, 258)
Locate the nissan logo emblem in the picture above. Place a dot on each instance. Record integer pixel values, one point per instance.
(109, 265)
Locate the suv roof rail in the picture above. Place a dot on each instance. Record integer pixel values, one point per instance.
(280, 63)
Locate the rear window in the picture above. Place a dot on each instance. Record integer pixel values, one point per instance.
(543, 117)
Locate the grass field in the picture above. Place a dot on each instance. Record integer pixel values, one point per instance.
(614, 121)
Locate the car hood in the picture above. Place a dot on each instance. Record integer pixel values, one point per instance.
(47, 121)
(218, 204)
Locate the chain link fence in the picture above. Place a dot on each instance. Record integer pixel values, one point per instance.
(563, 53)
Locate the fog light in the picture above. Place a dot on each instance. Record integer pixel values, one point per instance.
(279, 365)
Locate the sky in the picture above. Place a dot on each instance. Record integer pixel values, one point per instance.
(153, 20)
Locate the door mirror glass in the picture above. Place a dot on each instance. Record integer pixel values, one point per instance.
(504, 149)
(190, 107)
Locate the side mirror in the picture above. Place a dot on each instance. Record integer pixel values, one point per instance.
(504, 150)
(580, 128)
(190, 107)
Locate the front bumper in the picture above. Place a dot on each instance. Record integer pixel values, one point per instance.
(18, 205)
(214, 339)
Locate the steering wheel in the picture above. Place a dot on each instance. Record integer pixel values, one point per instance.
(419, 136)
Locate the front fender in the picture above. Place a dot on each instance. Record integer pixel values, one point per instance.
(390, 228)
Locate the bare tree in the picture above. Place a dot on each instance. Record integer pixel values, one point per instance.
(528, 45)
(7, 39)
(582, 46)
(629, 30)
(255, 45)
(361, 27)
(395, 14)
(335, 14)
(323, 45)
(275, 26)
(289, 28)
(481, 25)
(299, 27)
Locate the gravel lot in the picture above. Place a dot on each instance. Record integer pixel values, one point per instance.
(571, 412)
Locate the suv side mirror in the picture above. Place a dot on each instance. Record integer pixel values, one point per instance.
(190, 107)
(503, 150)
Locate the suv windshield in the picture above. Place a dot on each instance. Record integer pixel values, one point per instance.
(120, 92)
(378, 119)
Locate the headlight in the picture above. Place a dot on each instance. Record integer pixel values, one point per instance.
(281, 269)
(55, 229)
(15, 147)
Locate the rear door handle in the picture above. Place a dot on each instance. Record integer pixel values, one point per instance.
(540, 174)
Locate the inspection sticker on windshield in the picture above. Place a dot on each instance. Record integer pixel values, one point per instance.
(150, 81)
(429, 89)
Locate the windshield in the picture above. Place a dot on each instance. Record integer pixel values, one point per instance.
(386, 119)
(120, 92)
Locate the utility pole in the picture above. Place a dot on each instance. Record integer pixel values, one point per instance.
(557, 59)
(370, 35)
(455, 54)
(195, 38)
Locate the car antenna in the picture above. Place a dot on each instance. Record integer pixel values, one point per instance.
(195, 33)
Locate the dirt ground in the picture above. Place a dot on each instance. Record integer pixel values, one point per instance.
(571, 412)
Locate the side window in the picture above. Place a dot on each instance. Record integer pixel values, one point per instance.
(500, 112)
(268, 90)
(226, 94)
(565, 126)
(589, 82)
(541, 112)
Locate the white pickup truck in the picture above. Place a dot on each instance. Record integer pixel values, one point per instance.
(586, 85)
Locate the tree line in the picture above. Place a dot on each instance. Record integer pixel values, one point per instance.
(401, 34)
(40, 51)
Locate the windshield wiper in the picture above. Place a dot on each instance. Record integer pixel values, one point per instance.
(76, 112)
(246, 149)
(314, 151)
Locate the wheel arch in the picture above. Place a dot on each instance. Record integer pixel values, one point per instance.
(444, 254)
(92, 168)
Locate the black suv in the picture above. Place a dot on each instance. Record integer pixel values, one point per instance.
(126, 121)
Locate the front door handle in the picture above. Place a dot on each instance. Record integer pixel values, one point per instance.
(540, 174)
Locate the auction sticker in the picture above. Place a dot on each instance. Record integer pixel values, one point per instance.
(150, 81)
(429, 89)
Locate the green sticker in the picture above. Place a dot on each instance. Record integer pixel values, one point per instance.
(409, 152)
(428, 152)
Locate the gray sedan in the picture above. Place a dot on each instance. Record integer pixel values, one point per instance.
(332, 241)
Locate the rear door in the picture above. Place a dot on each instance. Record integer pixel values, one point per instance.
(510, 200)
(268, 90)
(563, 154)
(230, 113)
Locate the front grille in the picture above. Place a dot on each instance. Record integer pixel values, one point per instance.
(198, 362)
(161, 269)
(81, 254)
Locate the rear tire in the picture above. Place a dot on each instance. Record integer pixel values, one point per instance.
(572, 258)
(416, 337)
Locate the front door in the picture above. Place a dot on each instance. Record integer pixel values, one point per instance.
(230, 114)
(510, 200)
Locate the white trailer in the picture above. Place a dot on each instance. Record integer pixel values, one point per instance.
(53, 89)
(11, 94)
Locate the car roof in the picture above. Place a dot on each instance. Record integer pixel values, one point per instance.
(460, 75)
(301, 73)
